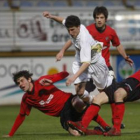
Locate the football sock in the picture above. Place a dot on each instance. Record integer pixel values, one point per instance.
(112, 109)
(90, 113)
(119, 112)
(100, 121)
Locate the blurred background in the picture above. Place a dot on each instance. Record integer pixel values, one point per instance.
(30, 41)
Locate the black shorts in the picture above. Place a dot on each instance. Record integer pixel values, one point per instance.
(132, 87)
(110, 91)
(69, 113)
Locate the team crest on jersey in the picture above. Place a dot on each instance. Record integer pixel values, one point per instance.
(107, 38)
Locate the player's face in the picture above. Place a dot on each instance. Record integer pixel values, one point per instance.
(74, 31)
(24, 84)
(100, 21)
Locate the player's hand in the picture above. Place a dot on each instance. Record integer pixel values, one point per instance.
(6, 136)
(70, 81)
(129, 61)
(59, 56)
(45, 82)
(47, 14)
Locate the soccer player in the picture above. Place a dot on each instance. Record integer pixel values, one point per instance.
(125, 91)
(128, 91)
(47, 98)
(88, 59)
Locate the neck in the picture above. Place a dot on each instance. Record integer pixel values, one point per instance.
(31, 87)
(100, 29)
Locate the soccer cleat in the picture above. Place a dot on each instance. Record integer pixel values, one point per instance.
(113, 132)
(99, 128)
(122, 126)
(107, 128)
(93, 132)
(77, 126)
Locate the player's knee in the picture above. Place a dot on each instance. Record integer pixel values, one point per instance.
(118, 95)
(78, 104)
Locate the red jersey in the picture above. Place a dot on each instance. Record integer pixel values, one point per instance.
(107, 36)
(136, 75)
(48, 99)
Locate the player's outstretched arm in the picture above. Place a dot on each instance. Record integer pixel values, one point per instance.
(56, 18)
(20, 118)
(50, 79)
(123, 53)
(60, 54)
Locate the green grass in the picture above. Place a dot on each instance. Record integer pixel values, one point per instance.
(39, 126)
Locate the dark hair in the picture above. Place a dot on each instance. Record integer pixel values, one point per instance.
(72, 21)
(100, 10)
(23, 73)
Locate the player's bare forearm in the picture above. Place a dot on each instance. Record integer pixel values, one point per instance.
(56, 18)
(60, 55)
(83, 67)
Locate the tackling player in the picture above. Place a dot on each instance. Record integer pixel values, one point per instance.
(47, 98)
(125, 91)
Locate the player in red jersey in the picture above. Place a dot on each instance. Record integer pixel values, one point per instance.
(126, 91)
(47, 98)
(102, 32)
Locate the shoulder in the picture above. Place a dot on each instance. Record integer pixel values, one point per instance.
(110, 28)
(85, 35)
(91, 26)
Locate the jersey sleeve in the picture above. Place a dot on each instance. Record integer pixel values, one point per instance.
(20, 118)
(85, 52)
(25, 108)
(55, 77)
(115, 40)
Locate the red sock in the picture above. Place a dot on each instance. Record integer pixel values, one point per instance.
(90, 113)
(119, 113)
(112, 109)
(100, 121)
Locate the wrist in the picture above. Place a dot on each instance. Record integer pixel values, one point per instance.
(126, 58)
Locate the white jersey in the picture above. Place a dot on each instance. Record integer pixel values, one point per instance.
(89, 50)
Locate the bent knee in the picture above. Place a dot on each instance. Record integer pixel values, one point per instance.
(119, 95)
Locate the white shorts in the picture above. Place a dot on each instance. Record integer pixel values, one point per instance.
(83, 77)
(100, 74)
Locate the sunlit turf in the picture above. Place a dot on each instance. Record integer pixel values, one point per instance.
(38, 126)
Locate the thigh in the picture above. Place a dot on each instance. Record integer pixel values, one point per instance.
(132, 87)
(99, 73)
(101, 98)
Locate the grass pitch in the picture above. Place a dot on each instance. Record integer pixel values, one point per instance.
(38, 126)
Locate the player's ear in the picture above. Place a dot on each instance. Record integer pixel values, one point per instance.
(30, 80)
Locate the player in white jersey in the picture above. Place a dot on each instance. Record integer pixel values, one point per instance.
(88, 58)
